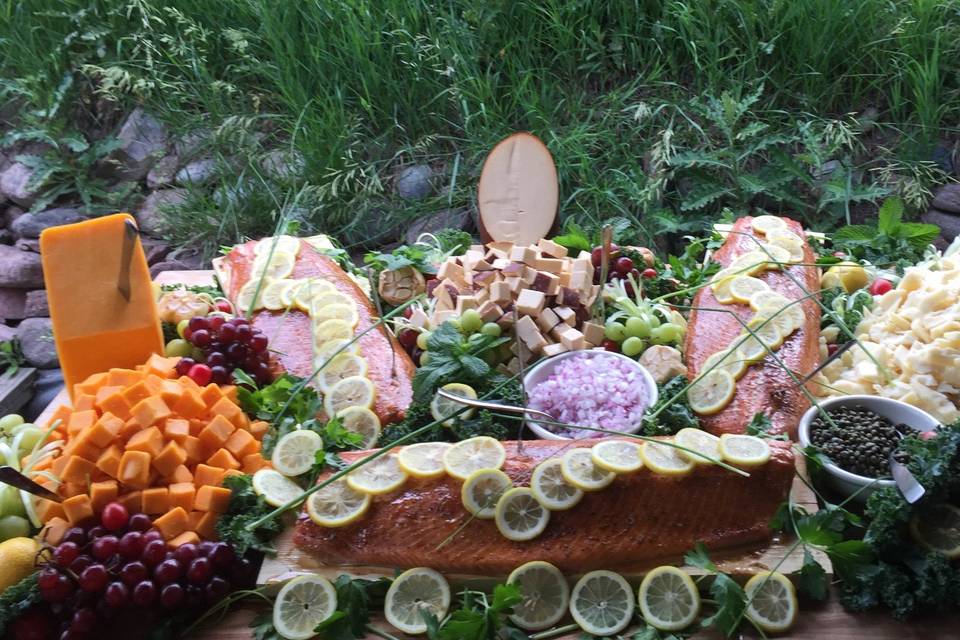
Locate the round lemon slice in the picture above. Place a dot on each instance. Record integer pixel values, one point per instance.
(441, 408)
(482, 490)
(766, 224)
(711, 392)
(322, 299)
(551, 488)
(423, 460)
(342, 366)
(412, 593)
(245, 298)
(310, 288)
(520, 516)
(771, 601)
(785, 238)
(301, 605)
(272, 295)
(602, 603)
(473, 454)
(751, 348)
(664, 459)
(743, 287)
(782, 320)
(788, 317)
(544, 593)
(379, 476)
(276, 267)
(337, 504)
(346, 313)
(746, 451)
(288, 293)
(363, 421)
(287, 244)
(669, 600)
(777, 254)
(579, 470)
(938, 528)
(276, 488)
(354, 391)
(322, 353)
(768, 299)
(699, 441)
(721, 290)
(296, 452)
(328, 330)
(766, 330)
(618, 456)
(732, 362)
(749, 263)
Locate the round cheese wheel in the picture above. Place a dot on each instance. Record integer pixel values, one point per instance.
(518, 191)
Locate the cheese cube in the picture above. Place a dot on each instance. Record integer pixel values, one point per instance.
(553, 265)
(565, 279)
(529, 275)
(439, 317)
(446, 299)
(530, 302)
(548, 283)
(593, 332)
(501, 263)
(466, 302)
(526, 255)
(553, 349)
(548, 320)
(592, 294)
(418, 318)
(573, 339)
(500, 292)
(452, 271)
(566, 315)
(581, 280)
(500, 249)
(490, 312)
(581, 265)
(513, 283)
(551, 248)
(526, 330)
(513, 367)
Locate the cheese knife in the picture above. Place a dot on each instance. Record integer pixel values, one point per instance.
(12, 477)
(130, 233)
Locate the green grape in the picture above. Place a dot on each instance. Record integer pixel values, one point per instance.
(424, 358)
(10, 502)
(491, 329)
(177, 348)
(471, 321)
(182, 326)
(31, 436)
(637, 327)
(456, 323)
(652, 319)
(672, 332)
(632, 346)
(614, 331)
(14, 527)
(422, 339)
(8, 422)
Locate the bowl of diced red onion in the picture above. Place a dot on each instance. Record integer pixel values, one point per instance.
(592, 388)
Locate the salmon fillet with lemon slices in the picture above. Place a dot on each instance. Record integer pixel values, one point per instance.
(639, 518)
(766, 386)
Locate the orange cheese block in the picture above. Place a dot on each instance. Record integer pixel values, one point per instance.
(94, 327)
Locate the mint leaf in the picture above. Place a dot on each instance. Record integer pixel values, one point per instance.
(889, 216)
(811, 579)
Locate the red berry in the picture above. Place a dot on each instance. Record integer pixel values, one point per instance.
(832, 348)
(649, 272)
(200, 338)
(66, 553)
(928, 435)
(224, 306)
(104, 547)
(94, 578)
(610, 345)
(196, 323)
(201, 374)
(880, 286)
(114, 516)
(408, 338)
(408, 313)
(623, 265)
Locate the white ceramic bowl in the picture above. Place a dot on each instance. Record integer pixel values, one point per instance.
(895, 411)
(543, 369)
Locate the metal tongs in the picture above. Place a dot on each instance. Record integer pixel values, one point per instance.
(495, 406)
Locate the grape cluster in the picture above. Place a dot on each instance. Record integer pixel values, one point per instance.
(123, 565)
(473, 328)
(219, 346)
(620, 268)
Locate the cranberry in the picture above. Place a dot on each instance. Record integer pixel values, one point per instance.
(832, 348)
(880, 286)
(408, 312)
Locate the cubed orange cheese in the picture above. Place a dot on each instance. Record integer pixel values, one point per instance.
(191, 404)
(207, 475)
(190, 537)
(105, 430)
(61, 415)
(154, 382)
(47, 510)
(229, 473)
(135, 469)
(132, 501)
(188, 383)
(193, 448)
(130, 427)
(103, 493)
(80, 420)
(253, 463)
(147, 440)
(78, 470)
(215, 434)
(181, 474)
(78, 508)
(228, 409)
(70, 489)
(161, 366)
(172, 523)
(59, 463)
(176, 429)
(54, 530)
(182, 495)
(223, 459)
(241, 443)
(91, 384)
(258, 429)
(83, 448)
(230, 392)
(84, 402)
(124, 377)
(136, 392)
(171, 392)
(155, 500)
(105, 391)
(109, 460)
(210, 498)
(150, 411)
(170, 457)
(211, 394)
(116, 404)
(193, 519)
(207, 527)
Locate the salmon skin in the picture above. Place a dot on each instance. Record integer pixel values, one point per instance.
(290, 336)
(640, 517)
(766, 387)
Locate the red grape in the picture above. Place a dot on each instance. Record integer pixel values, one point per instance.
(61, 591)
(596, 256)
(408, 313)
(154, 552)
(197, 322)
(131, 545)
(140, 522)
(227, 332)
(258, 343)
(408, 338)
(200, 570)
(84, 621)
(216, 359)
(223, 554)
(236, 352)
(215, 322)
(48, 577)
(205, 547)
(133, 572)
(200, 373)
(81, 563)
(219, 375)
(183, 366)
(239, 322)
(172, 595)
(167, 571)
(880, 286)
(34, 624)
(114, 516)
(185, 552)
(75, 535)
(217, 589)
(611, 345)
(96, 531)
(117, 594)
(104, 547)
(623, 265)
(152, 534)
(200, 338)
(628, 288)
(244, 333)
(649, 272)
(94, 578)
(144, 593)
(66, 553)
(223, 306)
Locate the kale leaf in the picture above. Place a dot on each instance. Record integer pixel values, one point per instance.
(17, 599)
(671, 415)
(246, 507)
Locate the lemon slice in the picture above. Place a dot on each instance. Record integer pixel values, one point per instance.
(779, 255)
(378, 476)
(618, 456)
(482, 490)
(700, 441)
(544, 593)
(765, 330)
(771, 601)
(579, 470)
(322, 353)
(766, 224)
(296, 452)
(749, 263)
(337, 505)
(664, 459)
(473, 454)
(277, 267)
(413, 592)
(721, 290)
(301, 605)
(342, 366)
(328, 330)
(785, 238)
(782, 320)
(602, 603)
(747, 451)
(346, 313)
(423, 460)
(441, 408)
(551, 488)
(768, 299)
(938, 529)
(286, 244)
(363, 421)
(669, 600)
(304, 294)
(276, 488)
(520, 516)
(743, 287)
(711, 392)
(272, 294)
(732, 362)
(245, 297)
(354, 391)
(288, 293)
(322, 299)
(788, 317)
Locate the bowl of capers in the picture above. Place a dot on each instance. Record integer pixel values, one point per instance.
(857, 434)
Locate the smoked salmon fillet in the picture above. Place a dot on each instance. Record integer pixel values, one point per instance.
(290, 336)
(638, 518)
(766, 387)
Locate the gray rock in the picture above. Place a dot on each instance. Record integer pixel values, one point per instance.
(12, 303)
(10, 216)
(413, 183)
(47, 385)
(282, 164)
(947, 198)
(150, 217)
(163, 173)
(30, 225)
(36, 342)
(191, 257)
(13, 184)
(197, 172)
(7, 333)
(36, 304)
(143, 140)
(6, 236)
(443, 219)
(949, 223)
(154, 250)
(167, 265)
(28, 244)
(189, 144)
(20, 269)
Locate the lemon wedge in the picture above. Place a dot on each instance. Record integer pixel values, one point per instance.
(273, 292)
(276, 267)
(743, 287)
(342, 366)
(330, 330)
(286, 244)
(346, 313)
(732, 362)
(766, 224)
